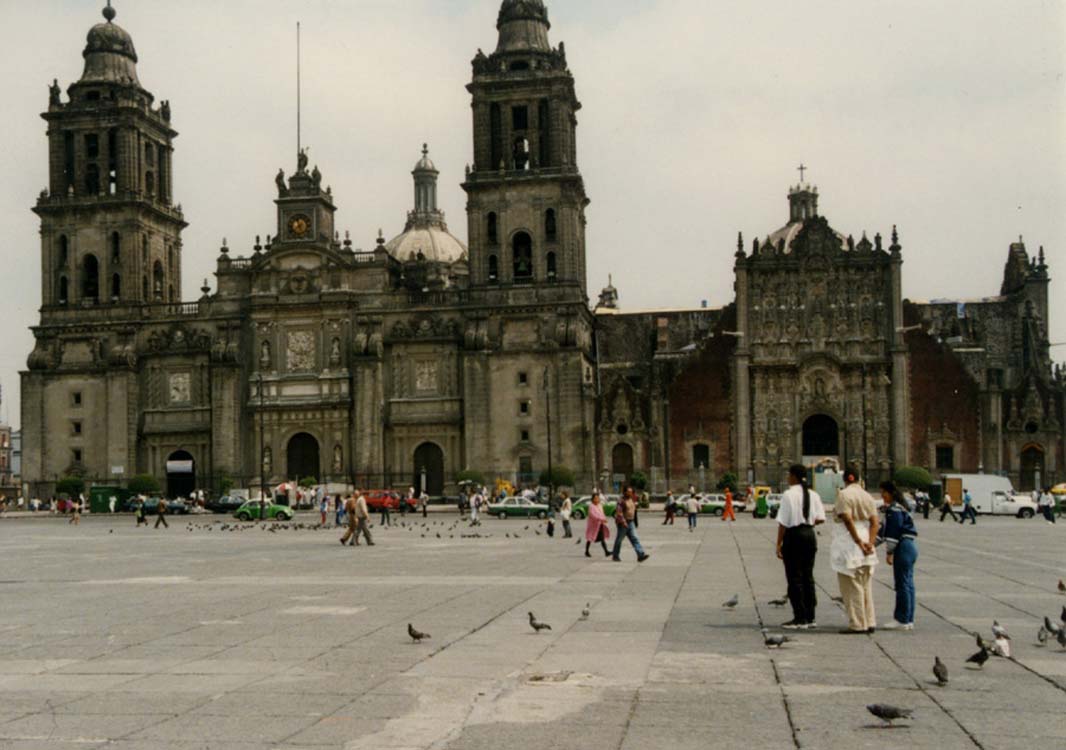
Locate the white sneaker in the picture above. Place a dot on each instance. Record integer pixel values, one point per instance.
(908, 626)
(893, 625)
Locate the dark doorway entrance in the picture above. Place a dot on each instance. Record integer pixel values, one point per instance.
(622, 462)
(821, 436)
(1032, 468)
(429, 469)
(181, 475)
(303, 457)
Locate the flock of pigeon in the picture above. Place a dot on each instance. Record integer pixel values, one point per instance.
(538, 626)
(1000, 646)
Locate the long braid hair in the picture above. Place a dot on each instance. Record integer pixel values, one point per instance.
(799, 473)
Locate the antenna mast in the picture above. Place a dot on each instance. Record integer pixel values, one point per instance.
(299, 94)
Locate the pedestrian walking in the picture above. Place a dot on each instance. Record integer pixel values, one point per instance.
(476, 502)
(692, 508)
(729, 514)
(338, 511)
(797, 546)
(901, 552)
(75, 512)
(161, 517)
(1046, 504)
(111, 502)
(946, 509)
(386, 517)
(423, 500)
(852, 556)
(596, 529)
(625, 528)
(141, 513)
(565, 511)
(323, 509)
(361, 514)
(671, 509)
(922, 497)
(968, 511)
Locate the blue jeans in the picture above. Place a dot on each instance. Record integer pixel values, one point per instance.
(623, 532)
(903, 560)
(692, 520)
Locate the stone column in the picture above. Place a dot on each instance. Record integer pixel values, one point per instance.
(742, 378)
(900, 370)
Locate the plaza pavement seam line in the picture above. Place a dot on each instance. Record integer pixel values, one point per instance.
(928, 694)
(982, 553)
(773, 662)
(1046, 678)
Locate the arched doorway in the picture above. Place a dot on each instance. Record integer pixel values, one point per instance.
(821, 436)
(181, 474)
(429, 469)
(1032, 468)
(622, 462)
(303, 458)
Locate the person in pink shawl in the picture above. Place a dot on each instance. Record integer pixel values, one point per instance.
(596, 529)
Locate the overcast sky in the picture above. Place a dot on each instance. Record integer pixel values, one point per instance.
(946, 118)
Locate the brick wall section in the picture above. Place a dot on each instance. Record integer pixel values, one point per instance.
(942, 395)
(701, 405)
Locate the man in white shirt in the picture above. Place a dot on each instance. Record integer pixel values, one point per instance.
(1046, 503)
(475, 507)
(797, 546)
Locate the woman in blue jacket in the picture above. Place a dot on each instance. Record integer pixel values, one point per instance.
(901, 540)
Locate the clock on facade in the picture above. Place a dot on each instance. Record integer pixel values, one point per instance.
(299, 226)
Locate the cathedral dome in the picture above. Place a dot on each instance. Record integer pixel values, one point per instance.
(435, 243)
(109, 54)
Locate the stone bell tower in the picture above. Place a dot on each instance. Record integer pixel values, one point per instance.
(526, 207)
(110, 233)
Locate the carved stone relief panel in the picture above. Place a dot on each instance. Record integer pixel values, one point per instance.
(180, 391)
(300, 354)
(427, 375)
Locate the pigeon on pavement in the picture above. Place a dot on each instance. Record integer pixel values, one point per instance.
(982, 643)
(1051, 627)
(979, 658)
(1002, 648)
(940, 671)
(1061, 637)
(1042, 636)
(585, 612)
(1062, 586)
(538, 626)
(732, 603)
(775, 641)
(888, 714)
(999, 631)
(415, 635)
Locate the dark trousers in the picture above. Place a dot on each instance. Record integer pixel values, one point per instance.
(799, 550)
(669, 517)
(945, 510)
(386, 519)
(161, 520)
(968, 512)
(1049, 513)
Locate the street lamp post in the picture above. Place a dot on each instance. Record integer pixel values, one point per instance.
(548, 421)
(262, 454)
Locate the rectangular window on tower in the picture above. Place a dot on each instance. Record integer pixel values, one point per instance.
(495, 136)
(945, 457)
(92, 146)
(68, 160)
(519, 118)
(112, 162)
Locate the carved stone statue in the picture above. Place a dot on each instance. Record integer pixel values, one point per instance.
(335, 353)
(338, 459)
(316, 178)
(264, 356)
(53, 92)
(283, 189)
(268, 460)
(301, 161)
(164, 110)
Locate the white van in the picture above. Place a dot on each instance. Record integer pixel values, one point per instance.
(992, 495)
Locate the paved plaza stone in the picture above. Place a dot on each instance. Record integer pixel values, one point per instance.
(124, 638)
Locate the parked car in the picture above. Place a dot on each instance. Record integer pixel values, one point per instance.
(151, 506)
(580, 507)
(518, 507)
(225, 504)
(252, 510)
(378, 499)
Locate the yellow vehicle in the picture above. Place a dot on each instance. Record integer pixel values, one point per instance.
(502, 485)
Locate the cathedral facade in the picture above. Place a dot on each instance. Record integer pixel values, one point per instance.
(425, 358)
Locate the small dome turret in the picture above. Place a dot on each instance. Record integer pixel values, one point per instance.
(110, 56)
(523, 26)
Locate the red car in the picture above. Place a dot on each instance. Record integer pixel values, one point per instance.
(377, 499)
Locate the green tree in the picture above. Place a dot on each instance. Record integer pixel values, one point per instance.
(70, 486)
(144, 484)
(225, 485)
(912, 477)
(307, 482)
(730, 480)
(639, 481)
(560, 477)
(474, 477)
